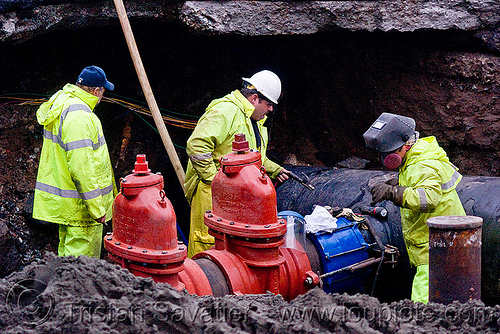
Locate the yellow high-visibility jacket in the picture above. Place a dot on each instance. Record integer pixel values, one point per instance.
(213, 137)
(75, 182)
(430, 180)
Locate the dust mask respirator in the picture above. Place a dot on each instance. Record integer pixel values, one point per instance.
(390, 160)
(393, 160)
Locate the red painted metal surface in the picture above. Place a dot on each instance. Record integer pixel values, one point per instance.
(145, 233)
(297, 275)
(249, 237)
(240, 277)
(248, 234)
(242, 193)
(194, 279)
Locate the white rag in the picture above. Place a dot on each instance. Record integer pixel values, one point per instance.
(320, 220)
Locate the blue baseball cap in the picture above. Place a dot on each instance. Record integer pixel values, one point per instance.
(94, 76)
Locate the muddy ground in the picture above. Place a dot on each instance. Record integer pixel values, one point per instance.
(83, 295)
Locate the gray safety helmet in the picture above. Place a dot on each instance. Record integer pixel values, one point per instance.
(389, 132)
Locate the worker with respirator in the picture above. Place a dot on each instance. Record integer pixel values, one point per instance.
(241, 111)
(424, 188)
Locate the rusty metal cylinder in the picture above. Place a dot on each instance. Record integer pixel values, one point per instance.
(454, 258)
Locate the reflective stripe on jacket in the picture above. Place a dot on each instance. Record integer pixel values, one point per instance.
(213, 137)
(75, 182)
(430, 180)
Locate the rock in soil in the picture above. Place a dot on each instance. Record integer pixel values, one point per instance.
(10, 260)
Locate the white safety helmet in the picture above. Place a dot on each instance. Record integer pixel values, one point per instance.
(267, 83)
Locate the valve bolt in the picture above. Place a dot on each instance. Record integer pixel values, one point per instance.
(118, 243)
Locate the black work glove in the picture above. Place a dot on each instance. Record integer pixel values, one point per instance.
(384, 191)
(393, 181)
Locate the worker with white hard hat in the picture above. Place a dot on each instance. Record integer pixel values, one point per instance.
(241, 111)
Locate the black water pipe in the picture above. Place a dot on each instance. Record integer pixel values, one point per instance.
(350, 188)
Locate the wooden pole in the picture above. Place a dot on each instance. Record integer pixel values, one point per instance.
(148, 93)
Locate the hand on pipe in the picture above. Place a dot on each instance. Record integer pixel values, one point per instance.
(283, 175)
(384, 191)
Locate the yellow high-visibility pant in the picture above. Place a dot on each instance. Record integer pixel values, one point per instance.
(420, 287)
(199, 239)
(77, 240)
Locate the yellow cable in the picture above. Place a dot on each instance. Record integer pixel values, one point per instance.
(177, 122)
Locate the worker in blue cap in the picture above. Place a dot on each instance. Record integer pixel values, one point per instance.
(425, 187)
(75, 185)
